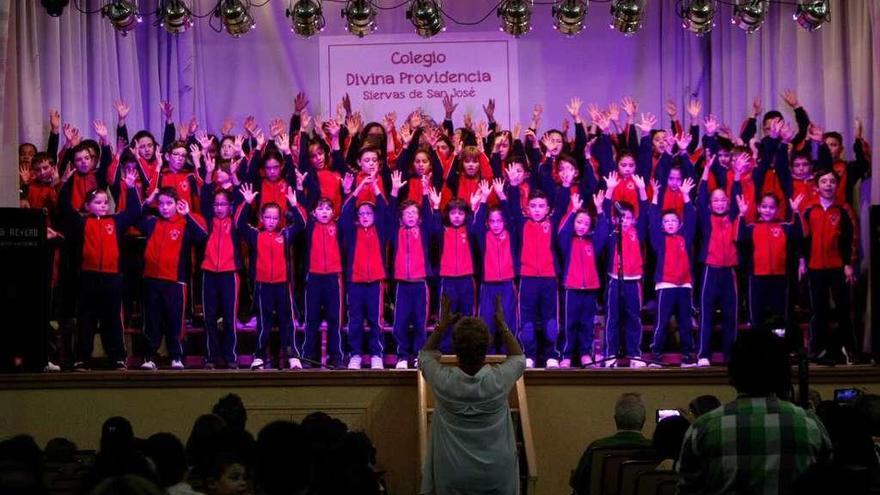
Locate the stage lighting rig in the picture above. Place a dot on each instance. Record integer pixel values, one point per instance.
(515, 17)
(174, 15)
(749, 15)
(626, 16)
(812, 14)
(360, 17)
(568, 16)
(55, 7)
(426, 17)
(306, 18)
(698, 15)
(235, 16)
(123, 14)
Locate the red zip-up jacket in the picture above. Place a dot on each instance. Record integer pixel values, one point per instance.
(831, 236)
(456, 259)
(409, 257)
(168, 240)
(770, 245)
(536, 259)
(101, 236)
(268, 249)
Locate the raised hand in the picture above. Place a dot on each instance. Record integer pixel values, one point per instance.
(565, 126)
(447, 317)
(639, 181)
(100, 130)
(485, 188)
(192, 126)
(68, 173)
(182, 208)
(301, 179)
(594, 112)
(353, 123)
(210, 164)
(796, 201)
(687, 185)
(203, 139)
(860, 129)
(24, 174)
(406, 134)
(576, 202)
(167, 109)
(468, 120)
(300, 102)
(305, 119)
(347, 182)
(290, 194)
(346, 104)
(433, 197)
(227, 126)
(599, 199)
(54, 120)
(489, 110)
(482, 130)
(614, 111)
(683, 139)
(775, 127)
(743, 204)
(647, 122)
(710, 123)
(448, 106)
(276, 127)
(612, 180)
(238, 144)
(815, 132)
(195, 152)
(514, 175)
(131, 178)
(500, 324)
(282, 141)
(250, 124)
(389, 121)
(790, 97)
(756, 107)
(671, 109)
(694, 107)
(517, 130)
(655, 186)
(396, 181)
(629, 106)
(122, 110)
(260, 138)
(498, 186)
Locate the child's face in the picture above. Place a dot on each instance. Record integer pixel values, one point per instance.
(369, 162)
(626, 167)
(82, 161)
(146, 148)
(457, 217)
(767, 209)
(801, 168)
(626, 219)
(555, 144)
(273, 169)
(366, 216)
(671, 223)
(167, 206)
(496, 222)
(442, 148)
(538, 209)
(471, 166)
(323, 212)
(227, 149)
(176, 159)
(233, 481)
(222, 177)
(834, 146)
(270, 218)
(567, 172)
(26, 154)
(99, 205)
(43, 171)
(767, 124)
(718, 201)
(581, 224)
(673, 182)
(316, 156)
(724, 157)
(503, 145)
(827, 186)
(222, 206)
(410, 216)
(422, 164)
(659, 143)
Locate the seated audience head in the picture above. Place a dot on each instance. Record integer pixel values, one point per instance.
(668, 436)
(703, 404)
(629, 412)
(21, 466)
(128, 484)
(226, 475)
(60, 450)
(231, 408)
(168, 456)
(117, 436)
(759, 365)
(281, 462)
(470, 339)
(205, 439)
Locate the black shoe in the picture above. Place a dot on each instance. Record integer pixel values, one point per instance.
(80, 366)
(232, 365)
(209, 365)
(120, 366)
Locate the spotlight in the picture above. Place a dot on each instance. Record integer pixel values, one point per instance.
(698, 15)
(55, 7)
(426, 17)
(515, 17)
(360, 17)
(811, 14)
(123, 14)
(569, 16)
(174, 16)
(749, 15)
(627, 16)
(235, 16)
(307, 18)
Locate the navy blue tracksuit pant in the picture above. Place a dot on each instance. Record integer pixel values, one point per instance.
(768, 298)
(100, 308)
(489, 291)
(825, 286)
(410, 313)
(719, 292)
(365, 304)
(538, 303)
(164, 302)
(461, 294)
(580, 311)
(220, 300)
(674, 301)
(323, 303)
(627, 316)
(274, 298)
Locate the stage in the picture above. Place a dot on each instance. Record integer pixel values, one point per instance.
(568, 408)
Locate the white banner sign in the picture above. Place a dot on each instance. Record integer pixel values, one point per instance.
(384, 73)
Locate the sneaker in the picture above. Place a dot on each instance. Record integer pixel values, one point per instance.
(354, 363)
(599, 357)
(552, 363)
(51, 367)
(251, 324)
(120, 366)
(402, 365)
(177, 364)
(586, 360)
(703, 362)
(653, 365)
(635, 363)
(232, 365)
(80, 366)
(530, 363)
(209, 365)
(565, 364)
(376, 363)
(611, 363)
(687, 363)
(294, 364)
(149, 365)
(257, 364)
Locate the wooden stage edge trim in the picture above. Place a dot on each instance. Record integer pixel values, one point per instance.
(855, 375)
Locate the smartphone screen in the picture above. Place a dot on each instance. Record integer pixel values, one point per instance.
(845, 394)
(665, 413)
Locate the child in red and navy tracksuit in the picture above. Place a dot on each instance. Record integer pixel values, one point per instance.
(323, 266)
(364, 238)
(717, 221)
(538, 287)
(497, 267)
(830, 253)
(176, 176)
(220, 281)
(166, 270)
(272, 291)
(624, 297)
(101, 280)
(409, 238)
(672, 237)
(580, 247)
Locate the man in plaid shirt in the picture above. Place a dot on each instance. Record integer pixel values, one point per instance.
(759, 443)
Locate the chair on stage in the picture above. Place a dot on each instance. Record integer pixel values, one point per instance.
(519, 411)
